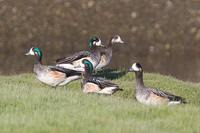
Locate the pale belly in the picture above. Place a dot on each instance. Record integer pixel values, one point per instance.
(152, 100)
(51, 78)
(103, 62)
(79, 63)
(91, 88)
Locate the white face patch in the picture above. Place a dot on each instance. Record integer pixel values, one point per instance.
(31, 52)
(117, 39)
(98, 43)
(82, 65)
(135, 68)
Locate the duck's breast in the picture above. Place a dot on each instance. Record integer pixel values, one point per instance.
(52, 78)
(90, 88)
(103, 62)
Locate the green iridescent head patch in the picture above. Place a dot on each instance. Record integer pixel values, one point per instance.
(91, 41)
(88, 65)
(38, 51)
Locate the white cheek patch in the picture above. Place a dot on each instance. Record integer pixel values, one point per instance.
(118, 40)
(98, 43)
(30, 52)
(82, 65)
(135, 68)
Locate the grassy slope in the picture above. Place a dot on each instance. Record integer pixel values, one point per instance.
(26, 105)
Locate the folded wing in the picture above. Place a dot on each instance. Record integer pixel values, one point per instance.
(73, 57)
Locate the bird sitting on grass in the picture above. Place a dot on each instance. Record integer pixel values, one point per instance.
(51, 75)
(151, 96)
(91, 84)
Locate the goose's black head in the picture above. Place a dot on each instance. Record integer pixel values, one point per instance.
(117, 40)
(136, 67)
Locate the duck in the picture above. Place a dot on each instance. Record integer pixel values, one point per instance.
(74, 61)
(51, 75)
(106, 52)
(91, 84)
(152, 96)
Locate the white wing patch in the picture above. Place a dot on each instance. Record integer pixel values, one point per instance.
(107, 90)
(69, 79)
(174, 102)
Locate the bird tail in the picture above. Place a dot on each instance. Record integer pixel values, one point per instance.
(118, 89)
(181, 99)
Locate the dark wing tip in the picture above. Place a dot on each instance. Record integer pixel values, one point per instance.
(184, 101)
(119, 89)
(60, 60)
(181, 99)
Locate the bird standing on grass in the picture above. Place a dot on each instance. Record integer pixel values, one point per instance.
(91, 84)
(152, 96)
(106, 53)
(51, 75)
(74, 61)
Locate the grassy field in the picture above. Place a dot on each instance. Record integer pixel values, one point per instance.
(26, 105)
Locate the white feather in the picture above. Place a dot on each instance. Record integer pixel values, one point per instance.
(98, 43)
(31, 52)
(67, 66)
(174, 102)
(118, 40)
(135, 68)
(107, 90)
(69, 79)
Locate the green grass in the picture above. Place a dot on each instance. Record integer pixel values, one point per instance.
(26, 105)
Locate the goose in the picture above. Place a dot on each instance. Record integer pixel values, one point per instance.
(106, 53)
(152, 96)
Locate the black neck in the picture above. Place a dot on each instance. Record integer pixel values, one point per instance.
(95, 51)
(87, 74)
(38, 59)
(139, 79)
(110, 44)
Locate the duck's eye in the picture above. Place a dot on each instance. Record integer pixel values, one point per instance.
(96, 39)
(116, 37)
(138, 65)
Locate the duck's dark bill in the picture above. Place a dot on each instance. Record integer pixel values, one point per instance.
(130, 70)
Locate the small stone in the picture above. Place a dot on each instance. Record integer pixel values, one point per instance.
(167, 46)
(14, 9)
(151, 49)
(157, 26)
(66, 4)
(133, 15)
(160, 32)
(193, 30)
(169, 4)
(134, 29)
(90, 3)
(30, 35)
(197, 37)
(84, 32)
